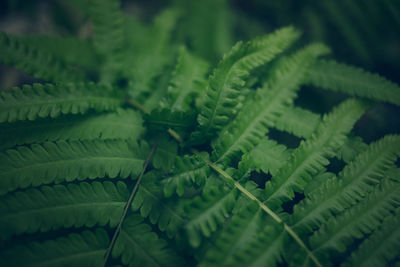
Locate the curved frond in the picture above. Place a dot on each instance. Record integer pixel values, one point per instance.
(84, 249)
(228, 78)
(68, 161)
(47, 100)
(208, 211)
(187, 80)
(150, 202)
(358, 221)
(188, 170)
(299, 122)
(312, 155)
(122, 124)
(54, 207)
(137, 245)
(353, 184)
(36, 62)
(380, 247)
(244, 227)
(263, 110)
(269, 156)
(354, 81)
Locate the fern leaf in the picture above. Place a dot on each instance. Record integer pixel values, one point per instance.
(299, 122)
(208, 211)
(188, 170)
(362, 219)
(354, 81)
(352, 185)
(154, 55)
(84, 249)
(269, 156)
(150, 202)
(263, 110)
(244, 227)
(42, 101)
(122, 124)
(311, 156)
(187, 80)
(228, 78)
(38, 63)
(49, 208)
(68, 161)
(137, 245)
(381, 246)
(73, 52)
(165, 154)
(163, 119)
(352, 147)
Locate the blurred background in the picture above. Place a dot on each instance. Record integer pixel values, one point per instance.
(364, 33)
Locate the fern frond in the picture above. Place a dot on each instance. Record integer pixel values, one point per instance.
(160, 120)
(380, 247)
(73, 52)
(154, 55)
(352, 147)
(84, 249)
(50, 208)
(164, 157)
(311, 156)
(122, 124)
(42, 101)
(187, 80)
(358, 221)
(228, 78)
(262, 111)
(68, 161)
(107, 20)
(150, 202)
(354, 81)
(188, 170)
(36, 62)
(208, 211)
(137, 245)
(299, 122)
(244, 227)
(269, 156)
(353, 184)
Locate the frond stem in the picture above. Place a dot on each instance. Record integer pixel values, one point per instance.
(274, 216)
(133, 103)
(128, 204)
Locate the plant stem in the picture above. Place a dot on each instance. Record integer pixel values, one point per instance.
(133, 103)
(128, 204)
(274, 216)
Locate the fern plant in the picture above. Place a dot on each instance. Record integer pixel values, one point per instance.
(140, 152)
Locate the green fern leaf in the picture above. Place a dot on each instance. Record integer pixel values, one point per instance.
(311, 156)
(137, 245)
(353, 184)
(150, 202)
(362, 219)
(36, 62)
(187, 80)
(188, 171)
(299, 122)
(244, 227)
(228, 78)
(42, 101)
(262, 111)
(354, 81)
(381, 247)
(208, 211)
(68, 161)
(84, 249)
(58, 206)
(122, 124)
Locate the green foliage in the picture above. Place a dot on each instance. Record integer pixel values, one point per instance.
(77, 142)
